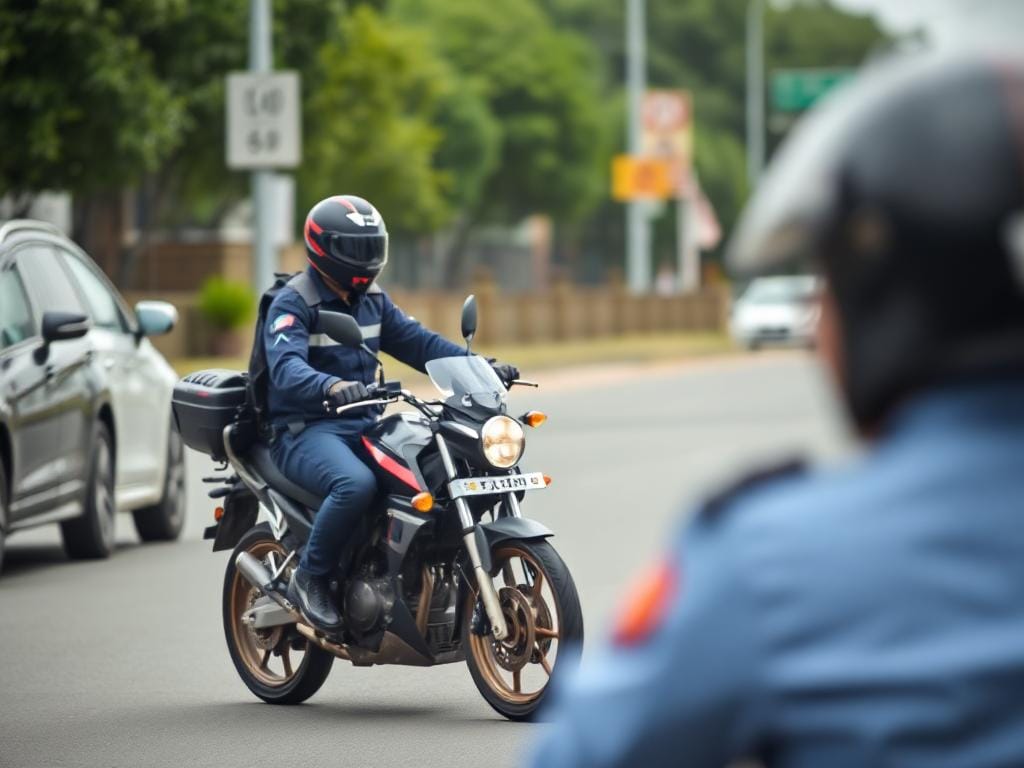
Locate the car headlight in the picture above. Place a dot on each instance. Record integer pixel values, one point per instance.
(502, 440)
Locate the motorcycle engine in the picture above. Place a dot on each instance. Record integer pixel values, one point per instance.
(368, 604)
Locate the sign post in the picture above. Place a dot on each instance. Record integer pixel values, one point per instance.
(263, 133)
(638, 228)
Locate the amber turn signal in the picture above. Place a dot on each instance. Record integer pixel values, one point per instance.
(547, 480)
(218, 513)
(535, 418)
(423, 502)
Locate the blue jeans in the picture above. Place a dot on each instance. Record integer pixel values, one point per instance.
(324, 459)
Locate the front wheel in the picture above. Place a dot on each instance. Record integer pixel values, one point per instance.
(277, 664)
(542, 611)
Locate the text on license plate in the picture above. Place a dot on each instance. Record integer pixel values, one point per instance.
(478, 486)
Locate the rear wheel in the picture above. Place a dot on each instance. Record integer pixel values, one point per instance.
(164, 521)
(542, 610)
(277, 664)
(92, 534)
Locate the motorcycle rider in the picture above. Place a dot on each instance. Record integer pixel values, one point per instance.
(871, 614)
(347, 247)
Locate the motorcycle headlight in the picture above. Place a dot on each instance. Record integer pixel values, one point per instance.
(503, 440)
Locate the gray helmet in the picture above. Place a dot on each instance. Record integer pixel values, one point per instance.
(906, 190)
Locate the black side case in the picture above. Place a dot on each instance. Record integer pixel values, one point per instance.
(207, 401)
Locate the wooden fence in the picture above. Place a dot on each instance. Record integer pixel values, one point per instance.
(563, 314)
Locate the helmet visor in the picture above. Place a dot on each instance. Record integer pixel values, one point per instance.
(360, 251)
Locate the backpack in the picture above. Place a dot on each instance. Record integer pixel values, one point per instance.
(259, 376)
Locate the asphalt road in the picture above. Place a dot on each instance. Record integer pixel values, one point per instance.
(123, 663)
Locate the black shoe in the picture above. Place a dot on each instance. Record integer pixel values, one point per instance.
(312, 595)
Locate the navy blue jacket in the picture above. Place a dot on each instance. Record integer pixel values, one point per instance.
(866, 616)
(304, 364)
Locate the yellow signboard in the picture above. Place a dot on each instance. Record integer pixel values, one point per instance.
(642, 178)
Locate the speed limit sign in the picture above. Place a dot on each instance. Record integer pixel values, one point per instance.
(263, 124)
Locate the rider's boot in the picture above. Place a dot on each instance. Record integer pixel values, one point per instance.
(312, 595)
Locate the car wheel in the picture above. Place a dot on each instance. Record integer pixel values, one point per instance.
(92, 534)
(3, 512)
(165, 520)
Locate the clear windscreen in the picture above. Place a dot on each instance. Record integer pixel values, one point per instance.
(466, 375)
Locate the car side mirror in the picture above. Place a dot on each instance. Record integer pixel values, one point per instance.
(342, 328)
(155, 318)
(469, 320)
(61, 326)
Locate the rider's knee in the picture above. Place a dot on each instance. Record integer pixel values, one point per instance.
(355, 488)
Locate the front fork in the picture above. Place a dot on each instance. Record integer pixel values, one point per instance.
(488, 594)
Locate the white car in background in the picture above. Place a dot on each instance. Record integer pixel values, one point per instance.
(777, 310)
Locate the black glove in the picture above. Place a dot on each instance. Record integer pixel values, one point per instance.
(346, 392)
(507, 373)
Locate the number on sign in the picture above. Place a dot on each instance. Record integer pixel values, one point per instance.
(262, 140)
(261, 102)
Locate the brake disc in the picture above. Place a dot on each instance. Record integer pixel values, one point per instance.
(515, 651)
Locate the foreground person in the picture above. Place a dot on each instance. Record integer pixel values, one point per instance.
(871, 615)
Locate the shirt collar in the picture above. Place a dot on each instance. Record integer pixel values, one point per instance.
(326, 294)
(994, 401)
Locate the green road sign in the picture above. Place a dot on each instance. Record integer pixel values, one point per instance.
(794, 90)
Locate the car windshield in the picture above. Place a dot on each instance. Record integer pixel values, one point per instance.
(469, 375)
(782, 290)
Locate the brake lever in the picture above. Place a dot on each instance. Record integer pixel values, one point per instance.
(523, 383)
(362, 403)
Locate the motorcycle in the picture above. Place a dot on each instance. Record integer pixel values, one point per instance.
(445, 567)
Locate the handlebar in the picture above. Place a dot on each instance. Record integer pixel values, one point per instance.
(391, 391)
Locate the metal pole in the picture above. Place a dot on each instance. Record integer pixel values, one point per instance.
(261, 60)
(638, 245)
(755, 91)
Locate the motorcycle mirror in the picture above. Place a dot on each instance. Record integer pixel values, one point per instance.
(469, 320)
(342, 328)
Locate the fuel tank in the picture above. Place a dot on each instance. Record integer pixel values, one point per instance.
(394, 444)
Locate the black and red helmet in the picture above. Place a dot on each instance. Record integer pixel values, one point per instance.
(346, 240)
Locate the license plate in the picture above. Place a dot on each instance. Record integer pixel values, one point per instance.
(481, 486)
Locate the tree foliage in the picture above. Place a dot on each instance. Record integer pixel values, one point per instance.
(447, 113)
(375, 122)
(541, 86)
(82, 105)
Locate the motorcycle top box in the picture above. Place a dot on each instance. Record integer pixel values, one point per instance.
(205, 403)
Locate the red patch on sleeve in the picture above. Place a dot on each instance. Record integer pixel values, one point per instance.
(647, 604)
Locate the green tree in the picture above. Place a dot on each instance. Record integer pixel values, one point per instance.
(541, 84)
(375, 125)
(82, 106)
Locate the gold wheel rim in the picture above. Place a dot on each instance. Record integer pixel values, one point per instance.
(540, 628)
(263, 652)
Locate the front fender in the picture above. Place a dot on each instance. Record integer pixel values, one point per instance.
(493, 534)
(505, 528)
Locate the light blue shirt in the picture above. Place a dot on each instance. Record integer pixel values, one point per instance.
(871, 615)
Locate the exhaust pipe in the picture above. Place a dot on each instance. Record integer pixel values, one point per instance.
(257, 574)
